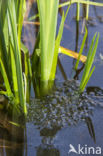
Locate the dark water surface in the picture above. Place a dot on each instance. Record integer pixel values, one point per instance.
(65, 117)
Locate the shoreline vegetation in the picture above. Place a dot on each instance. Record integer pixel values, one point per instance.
(18, 69)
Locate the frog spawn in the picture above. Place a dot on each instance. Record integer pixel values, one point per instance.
(65, 106)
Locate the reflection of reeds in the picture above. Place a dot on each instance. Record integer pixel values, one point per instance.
(12, 135)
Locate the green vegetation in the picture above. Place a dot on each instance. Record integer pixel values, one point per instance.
(16, 68)
(48, 12)
(90, 58)
(11, 14)
(87, 2)
(81, 49)
(88, 70)
(47, 47)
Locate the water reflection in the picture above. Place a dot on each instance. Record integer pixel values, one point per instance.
(65, 107)
(62, 69)
(97, 15)
(47, 147)
(30, 30)
(77, 72)
(47, 151)
(90, 128)
(12, 135)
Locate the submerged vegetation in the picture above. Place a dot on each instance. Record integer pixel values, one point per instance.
(17, 68)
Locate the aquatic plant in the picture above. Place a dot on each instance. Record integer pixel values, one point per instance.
(15, 66)
(78, 2)
(87, 11)
(87, 2)
(78, 11)
(81, 49)
(88, 70)
(89, 61)
(49, 44)
(11, 14)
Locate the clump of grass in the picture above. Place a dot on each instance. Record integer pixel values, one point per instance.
(44, 58)
(11, 14)
(88, 70)
(47, 47)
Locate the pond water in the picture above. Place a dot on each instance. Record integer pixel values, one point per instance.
(65, 117)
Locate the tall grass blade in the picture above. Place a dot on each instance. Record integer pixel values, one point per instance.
(81, 49)
(12, 16)
(7, 85)
(28, 71)
(13, 70)
(82, 87)
(78, 11)
(87, 11)
(48, 11)
(90, 58)
(20, 7)
(57, 44)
